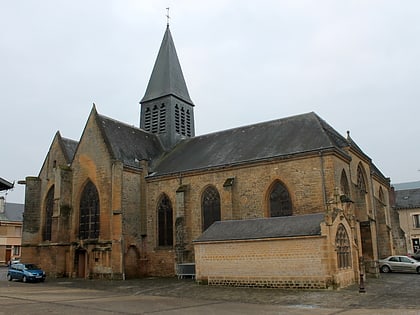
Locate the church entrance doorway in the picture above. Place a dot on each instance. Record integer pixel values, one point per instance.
(80, 263)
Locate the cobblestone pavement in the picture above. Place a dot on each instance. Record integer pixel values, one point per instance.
(389, 291)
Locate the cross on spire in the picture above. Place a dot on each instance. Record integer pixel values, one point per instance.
(167, 16)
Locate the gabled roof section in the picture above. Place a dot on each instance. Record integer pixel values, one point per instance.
(68, 146)
(273, 139)
(167, 78)
(278, 227)
(407, 199)
(5, 185)
(353, 145)
(127, 143)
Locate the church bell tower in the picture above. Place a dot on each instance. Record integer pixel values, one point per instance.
(166, 108)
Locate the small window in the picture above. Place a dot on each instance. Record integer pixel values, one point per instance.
(416, 221)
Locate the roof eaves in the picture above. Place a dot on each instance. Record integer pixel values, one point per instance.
(300, 154)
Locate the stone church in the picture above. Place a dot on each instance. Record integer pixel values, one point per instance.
(284, 203)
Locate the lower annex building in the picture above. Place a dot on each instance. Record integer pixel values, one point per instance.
(125, 202)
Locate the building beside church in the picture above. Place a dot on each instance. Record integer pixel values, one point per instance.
(407, 205)
(10, 226)
(125, 202)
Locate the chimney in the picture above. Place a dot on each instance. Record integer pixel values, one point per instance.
(2, 204)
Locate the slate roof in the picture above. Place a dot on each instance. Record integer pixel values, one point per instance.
(167, 77)
(273, 139)
(408, 185)
(12, 212)
(407, 199)
(128, 143)
(5, 185)
(278, 227)
(69, 148)
(375, 170)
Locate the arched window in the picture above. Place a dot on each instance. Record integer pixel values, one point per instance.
(344, 184)
(361, 182)
(382, 206)
(49, 208)
(89, 213)
(210, 206)
(165, 222)
(342, 244)
(361, 190)
(381, 196)
(280, 203)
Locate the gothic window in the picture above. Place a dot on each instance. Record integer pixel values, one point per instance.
(344, 184)
(210, 206)
(280, 203)
(49, 207)
(165, 222)
(361, 189)
(89, 213)
(342, 244)
(381, 196)
(382, 205)
(361, 183)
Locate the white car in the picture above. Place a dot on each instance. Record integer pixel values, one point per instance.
(399, 264)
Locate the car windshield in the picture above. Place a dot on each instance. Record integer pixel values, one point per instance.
(31, 267)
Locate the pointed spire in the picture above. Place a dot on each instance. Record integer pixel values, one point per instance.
(167, 78)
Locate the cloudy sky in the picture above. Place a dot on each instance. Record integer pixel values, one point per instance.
(355, 63)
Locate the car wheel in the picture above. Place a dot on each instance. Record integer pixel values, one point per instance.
(9, 277)
(24, 279)
(418, 269)
(385, 269)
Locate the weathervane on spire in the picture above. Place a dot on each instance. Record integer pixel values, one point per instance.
(167, 17)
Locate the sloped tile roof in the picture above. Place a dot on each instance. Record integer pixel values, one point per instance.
(407, 185)
(273, 139)
(128, 143)
(12, 212)
(407, 199)
(278, 227)
(69, 148)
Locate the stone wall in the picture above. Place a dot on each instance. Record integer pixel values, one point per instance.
(281, 263)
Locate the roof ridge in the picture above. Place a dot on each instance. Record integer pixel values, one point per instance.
(252, 125)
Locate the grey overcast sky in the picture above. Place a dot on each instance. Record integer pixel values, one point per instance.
(355, 63)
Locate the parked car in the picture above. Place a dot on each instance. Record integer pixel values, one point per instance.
(416, 255)
(399, 264)
(14, 261)
(25, 272)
